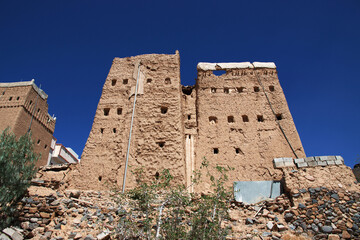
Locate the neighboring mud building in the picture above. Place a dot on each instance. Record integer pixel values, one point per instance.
(23, 106)
(240, 118)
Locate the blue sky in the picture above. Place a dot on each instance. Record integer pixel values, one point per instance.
(68, 47)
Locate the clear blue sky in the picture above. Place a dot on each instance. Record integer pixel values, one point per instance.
(68, 47)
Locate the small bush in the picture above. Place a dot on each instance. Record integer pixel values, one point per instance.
(160, 210)
(17, 161)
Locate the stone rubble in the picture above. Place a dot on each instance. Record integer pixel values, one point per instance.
(318, 203)
(321, 214)
(313, 213)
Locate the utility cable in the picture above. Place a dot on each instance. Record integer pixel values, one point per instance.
(131, 125)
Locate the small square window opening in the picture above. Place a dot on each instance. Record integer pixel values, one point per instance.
(240, 89)
(161, 144)
(245, 118)
(106, 111)
(260, 118)
(213, 120)
(216, 150)
(164, 110)
(167, 81)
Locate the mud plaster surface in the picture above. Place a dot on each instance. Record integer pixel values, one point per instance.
(187, 130)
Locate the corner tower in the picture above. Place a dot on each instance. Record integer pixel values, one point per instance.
(243, 119)
(24, 107)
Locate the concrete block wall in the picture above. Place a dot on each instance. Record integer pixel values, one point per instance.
(308, 161)
(283, 162)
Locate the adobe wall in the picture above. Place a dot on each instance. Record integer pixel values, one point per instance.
(157, 136)
(236, 126)
(17, 105)
(176, 126)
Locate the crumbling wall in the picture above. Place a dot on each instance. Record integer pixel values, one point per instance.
(236, 125)
(157, 136)
(332, 177)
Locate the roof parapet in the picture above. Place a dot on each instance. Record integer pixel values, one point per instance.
(233, 65)
(26, 83)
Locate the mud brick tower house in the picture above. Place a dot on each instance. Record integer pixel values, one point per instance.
(22, 106)
(239, 118)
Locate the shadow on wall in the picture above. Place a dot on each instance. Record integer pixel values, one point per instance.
(356, 171)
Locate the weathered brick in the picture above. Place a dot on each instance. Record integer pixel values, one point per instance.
(301, 165)
(289, 164)
(339, 162)
(299, 160)
(312, 164)
(279, 164)
(309, 159)
(339, 158)
(330, 162)
(321, 163)
(277, 160)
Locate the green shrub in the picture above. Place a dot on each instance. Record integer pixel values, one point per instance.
(160, 210)
(17, 168)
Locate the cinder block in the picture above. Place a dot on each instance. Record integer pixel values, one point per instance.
(309, 159)
(289, 164)
(339, 162)
(326, 158)
(279, 164)
(276, 160)
(339, 158)
(299, 160)
(288, 160)
(330, 162)
(321, 163)
(312, 164)
(301, 165)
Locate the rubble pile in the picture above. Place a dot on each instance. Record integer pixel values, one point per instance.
(319, 213)
(70, 215)
(304, 211)
(325, 211)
